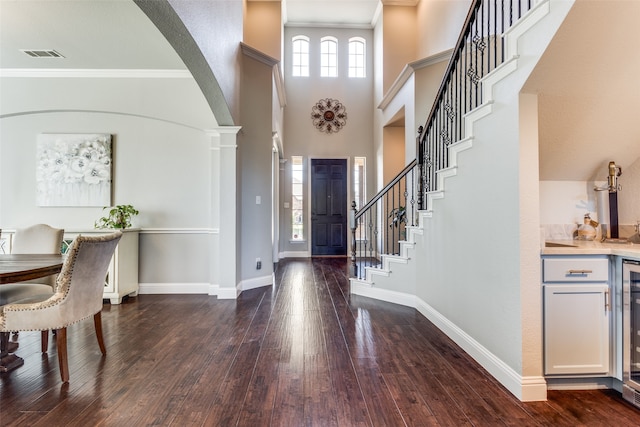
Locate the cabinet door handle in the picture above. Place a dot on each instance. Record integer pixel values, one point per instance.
(606, 300)
(580, 271)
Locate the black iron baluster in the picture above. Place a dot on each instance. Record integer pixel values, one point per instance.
(376, 237)
(459, 105)
(510, 13)
(502, 32)
(413, 197)
(495, 33)
(386, 222)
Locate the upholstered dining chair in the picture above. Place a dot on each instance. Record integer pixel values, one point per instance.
(35, 239)
(77, 295)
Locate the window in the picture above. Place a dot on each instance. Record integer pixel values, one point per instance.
(359, 186)
(300, 59)
(359, 169)
(297, 223)
(357, 57)
(329, 57)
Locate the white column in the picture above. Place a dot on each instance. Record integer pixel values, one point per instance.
(224, 236)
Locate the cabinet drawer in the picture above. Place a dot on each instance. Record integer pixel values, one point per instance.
(575, 270)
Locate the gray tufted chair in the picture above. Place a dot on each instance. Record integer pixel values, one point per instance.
(77, 295)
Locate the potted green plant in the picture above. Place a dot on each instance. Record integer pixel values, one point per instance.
(398, 216)
(118, 217)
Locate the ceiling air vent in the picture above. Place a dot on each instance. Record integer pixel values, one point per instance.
(42, 53)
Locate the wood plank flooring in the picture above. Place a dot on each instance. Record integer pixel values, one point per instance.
(302, 353)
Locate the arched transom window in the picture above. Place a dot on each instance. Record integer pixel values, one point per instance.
(329, 57)
(300, 59)
(357, 57)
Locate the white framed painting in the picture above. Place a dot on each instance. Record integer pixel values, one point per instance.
(73, 169)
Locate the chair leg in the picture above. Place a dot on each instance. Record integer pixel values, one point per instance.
(4, 342)
(6, 345)
(61, 343)
(97, 322)
(44, 341)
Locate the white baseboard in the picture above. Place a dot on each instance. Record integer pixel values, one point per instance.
(228, 293)
(188, 288)
(294, 254)
(527, 389)
(175, 288)
(366, 290)
(256, 282)
(205, 288)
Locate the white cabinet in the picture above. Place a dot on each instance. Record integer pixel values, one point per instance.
(577, 313)
(122, 278)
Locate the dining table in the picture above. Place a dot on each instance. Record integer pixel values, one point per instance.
(20, 267)
(16, 268)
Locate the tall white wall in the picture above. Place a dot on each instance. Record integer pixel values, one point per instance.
(439, 24)
(378, 94)
(301, 138)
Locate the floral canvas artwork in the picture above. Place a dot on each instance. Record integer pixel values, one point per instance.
(73, 170)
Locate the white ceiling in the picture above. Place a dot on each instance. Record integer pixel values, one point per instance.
(90, 34)
(331, 12)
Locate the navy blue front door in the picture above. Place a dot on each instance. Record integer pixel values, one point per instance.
(328, 206)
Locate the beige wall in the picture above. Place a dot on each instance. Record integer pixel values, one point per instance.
(393, 152)
(398, 45)
(263, 27)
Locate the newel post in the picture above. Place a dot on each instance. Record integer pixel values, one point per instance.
(352, 223)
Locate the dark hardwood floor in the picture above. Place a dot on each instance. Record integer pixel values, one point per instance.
(303, 353)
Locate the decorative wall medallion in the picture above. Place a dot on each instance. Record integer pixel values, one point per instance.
(329, 115)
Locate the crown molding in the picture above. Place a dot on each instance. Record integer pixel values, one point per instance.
(279, 82)
(259, 56)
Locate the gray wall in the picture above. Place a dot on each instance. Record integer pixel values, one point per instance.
(254, 173)
(161, 161)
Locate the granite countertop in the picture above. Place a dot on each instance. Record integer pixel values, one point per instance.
(581, 247)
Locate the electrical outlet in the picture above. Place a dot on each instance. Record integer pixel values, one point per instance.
(258, 264)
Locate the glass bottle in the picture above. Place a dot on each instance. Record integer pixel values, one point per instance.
(586, 231)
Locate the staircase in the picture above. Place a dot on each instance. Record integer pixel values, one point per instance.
(486, 52)
(469, 260)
